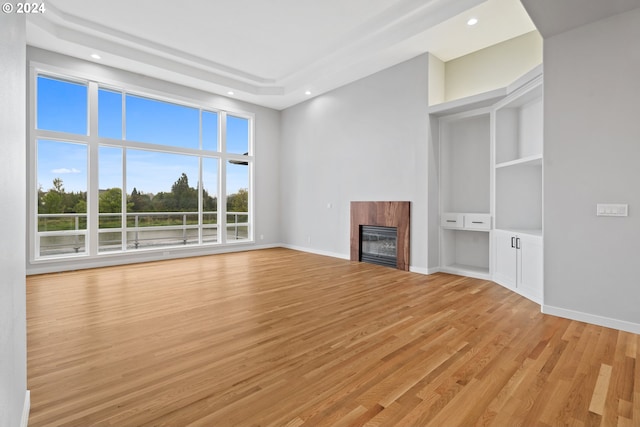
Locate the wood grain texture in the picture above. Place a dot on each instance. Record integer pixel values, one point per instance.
(284, 338)
(382, 214)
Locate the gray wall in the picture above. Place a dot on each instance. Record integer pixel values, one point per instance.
(364, 141)
(13, 335)
(592, 155)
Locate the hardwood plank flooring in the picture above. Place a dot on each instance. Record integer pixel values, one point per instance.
(284, 338)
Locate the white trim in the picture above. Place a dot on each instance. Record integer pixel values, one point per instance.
(24, 421)
(594, 319)
(93, 178)
(222, 177)
(419, 270)
(481, 100)
(159, 254)
(519, 94)
(316, 251)
(452, 118)
(434, 270)
(467, 272)
(530, 75)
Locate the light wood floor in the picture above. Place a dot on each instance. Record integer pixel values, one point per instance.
(283, 338)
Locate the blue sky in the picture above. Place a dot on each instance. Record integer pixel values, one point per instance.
(62, 106)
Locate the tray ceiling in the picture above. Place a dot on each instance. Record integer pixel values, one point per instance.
(270, 52)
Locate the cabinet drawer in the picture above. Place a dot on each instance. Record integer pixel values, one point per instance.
(477, 221)
(452, 220)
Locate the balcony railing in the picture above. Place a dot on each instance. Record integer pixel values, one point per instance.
(65, 234)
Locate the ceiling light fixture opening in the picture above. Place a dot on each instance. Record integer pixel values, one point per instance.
(472, 21)
(95, 56)
(230, 92)
(307, 92)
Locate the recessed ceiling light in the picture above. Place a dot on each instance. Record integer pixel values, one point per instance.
(230, 92)
(307, 92)
(95, 56)
(472, 21)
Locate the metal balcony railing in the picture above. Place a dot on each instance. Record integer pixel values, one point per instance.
(67, 233)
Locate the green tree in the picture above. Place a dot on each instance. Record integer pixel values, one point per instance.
(55, 200)
(75, 202)
(138, 202)
(80, 206)
(185, 197)
(164, 202)
(238, 202)
(52, 202)
(57, 185)
(210, 204)
(110, 201)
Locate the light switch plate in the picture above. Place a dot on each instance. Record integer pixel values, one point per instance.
(604, 209)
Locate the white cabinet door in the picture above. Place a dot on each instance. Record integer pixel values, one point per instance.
(530, 266)
(518, 263)
(505, 258)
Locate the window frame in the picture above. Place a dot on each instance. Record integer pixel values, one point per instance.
(93, 142)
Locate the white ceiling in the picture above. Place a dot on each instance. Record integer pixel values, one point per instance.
(269, 52)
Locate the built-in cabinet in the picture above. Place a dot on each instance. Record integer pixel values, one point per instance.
(517, 238)
(518, 263)
(490, 176)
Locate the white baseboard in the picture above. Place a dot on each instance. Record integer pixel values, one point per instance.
(419, 270)
(607, 322)
(108, 260)
(26, 409)
(316, 251)
(433, 270)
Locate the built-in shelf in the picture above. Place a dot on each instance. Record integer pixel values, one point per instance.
(466, 252)
(465, 193)
(535, 160)
(518, 150)
(468, 103)
(517, 125)
(490, 152)
(517, 245)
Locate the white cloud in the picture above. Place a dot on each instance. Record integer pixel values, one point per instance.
(66, 170)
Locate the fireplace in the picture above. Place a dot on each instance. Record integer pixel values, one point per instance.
(388, 221)
(378, 245)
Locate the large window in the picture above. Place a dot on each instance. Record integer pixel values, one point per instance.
(134, 172)
(62, 198)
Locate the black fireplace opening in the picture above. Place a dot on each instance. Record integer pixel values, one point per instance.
(379, 245)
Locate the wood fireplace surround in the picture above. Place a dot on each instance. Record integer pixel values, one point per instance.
(383, 214)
